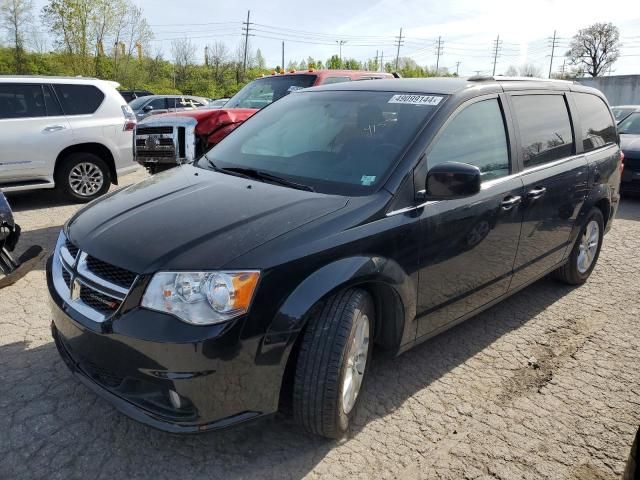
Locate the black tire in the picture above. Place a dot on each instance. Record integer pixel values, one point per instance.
(322, 362)
(569, 272)
(63, 181)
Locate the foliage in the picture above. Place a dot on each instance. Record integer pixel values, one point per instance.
(14, 19)
(595, 48)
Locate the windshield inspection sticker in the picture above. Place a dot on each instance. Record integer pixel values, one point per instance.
(415, 99)
(367, 180)
(294, 88)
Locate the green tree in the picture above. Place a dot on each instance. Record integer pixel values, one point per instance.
(595, 48)
(14, 18)
(334, 62)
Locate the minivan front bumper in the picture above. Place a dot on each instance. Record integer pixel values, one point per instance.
(187, 386)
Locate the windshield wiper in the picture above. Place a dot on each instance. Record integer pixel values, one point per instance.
(260, 175)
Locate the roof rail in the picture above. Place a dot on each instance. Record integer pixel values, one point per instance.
(504, 78)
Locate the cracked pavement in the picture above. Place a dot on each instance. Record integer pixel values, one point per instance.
(544, 385)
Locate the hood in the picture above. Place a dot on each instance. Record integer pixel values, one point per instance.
(192, 219)
(630, 144)
(209, 120)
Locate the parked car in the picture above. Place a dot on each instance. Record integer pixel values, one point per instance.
(629, 130)
(75, 134)
(157, 104)
(623, 111)
(341, 217)
(130, 95)
(11, 270)
(164, 141)
(218, 103)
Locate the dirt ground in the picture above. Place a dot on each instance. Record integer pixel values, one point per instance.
(543, 385)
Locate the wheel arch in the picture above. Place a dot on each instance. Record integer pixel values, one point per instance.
(393, 292)
(89, 147)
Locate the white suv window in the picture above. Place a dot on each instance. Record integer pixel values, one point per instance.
(79, 99)
(21, 101)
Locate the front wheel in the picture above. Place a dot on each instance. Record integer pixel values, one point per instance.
(334, 354)
(586, 251)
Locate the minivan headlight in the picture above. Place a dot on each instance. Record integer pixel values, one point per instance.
(201, 298)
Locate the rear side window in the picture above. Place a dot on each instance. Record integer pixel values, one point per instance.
(476, 136)
(545, 128)
(21, 101)
(161, 103)
(79, 99)
(329, 80)
(597, 125)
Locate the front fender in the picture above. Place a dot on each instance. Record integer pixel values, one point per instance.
(344, 273)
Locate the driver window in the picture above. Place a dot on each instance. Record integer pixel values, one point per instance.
(476, 136)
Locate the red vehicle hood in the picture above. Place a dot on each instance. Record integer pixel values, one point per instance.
(211, 120)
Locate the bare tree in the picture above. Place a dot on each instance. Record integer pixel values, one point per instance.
(524, 70)
(595, 48)
(183, 51)
(14, 17)
(218, 56)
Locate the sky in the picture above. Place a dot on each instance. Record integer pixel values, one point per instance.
(467, 28)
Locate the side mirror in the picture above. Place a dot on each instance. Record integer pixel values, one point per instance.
(147, 108)
(450, 180)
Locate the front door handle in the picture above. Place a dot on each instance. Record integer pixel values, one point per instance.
(53, 128)
(536, 193)
(509, 202)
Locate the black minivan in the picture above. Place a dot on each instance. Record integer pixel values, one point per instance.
(338, 218)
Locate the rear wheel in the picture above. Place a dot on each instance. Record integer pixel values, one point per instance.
(586, 251)
(83, 177)
(334, 354)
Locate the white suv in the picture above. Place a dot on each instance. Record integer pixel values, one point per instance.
(74, 134)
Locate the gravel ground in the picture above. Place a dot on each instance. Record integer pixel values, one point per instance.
(544, 385)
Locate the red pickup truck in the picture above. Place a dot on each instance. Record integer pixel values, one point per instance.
(164, 141)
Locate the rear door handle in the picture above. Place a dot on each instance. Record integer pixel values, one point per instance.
(536, 193)
(54, 128)
(509, 202)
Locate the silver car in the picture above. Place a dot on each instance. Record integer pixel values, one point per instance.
(155, 104)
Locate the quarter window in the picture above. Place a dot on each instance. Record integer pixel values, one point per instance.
(476, 136)
(329, 80)
(21, 101)
(597, 125)
(79, 99)
(545, 128)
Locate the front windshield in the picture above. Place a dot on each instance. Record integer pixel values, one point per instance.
(630, 125)
(136, 103)
(264, 91)
(619, 112)
(342, 142)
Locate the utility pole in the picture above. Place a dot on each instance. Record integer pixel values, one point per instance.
(377, 60)
(554, 44)
(382, 61)
(282, 68)
(246, 29)
(564, 62)
(206, 56)
(340, 43)
(457, 67)
(438, 53)
(496, 49)
(398, 51)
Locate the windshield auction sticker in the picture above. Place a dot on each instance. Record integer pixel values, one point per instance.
(415, 99)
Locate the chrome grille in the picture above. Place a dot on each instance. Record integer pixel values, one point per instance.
(155, 142)
(154, 130)
(94, 288)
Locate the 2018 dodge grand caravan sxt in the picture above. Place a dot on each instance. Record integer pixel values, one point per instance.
(338, 218)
